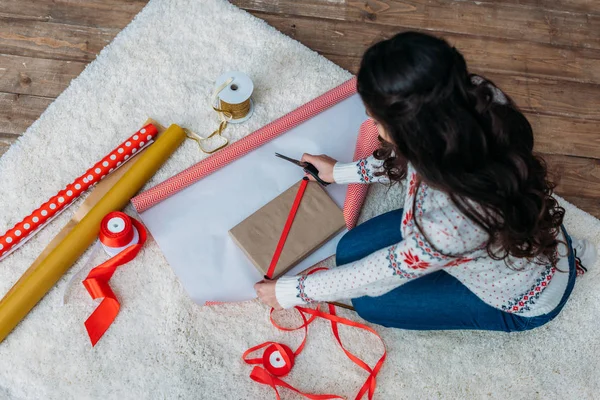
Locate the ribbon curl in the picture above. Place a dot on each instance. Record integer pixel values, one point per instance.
(284, 357)
(269, 376)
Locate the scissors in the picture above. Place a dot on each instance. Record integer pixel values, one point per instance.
(308, 167)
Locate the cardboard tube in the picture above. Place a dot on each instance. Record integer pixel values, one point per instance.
(28, 291)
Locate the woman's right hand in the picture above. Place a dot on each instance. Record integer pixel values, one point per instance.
(324, 164)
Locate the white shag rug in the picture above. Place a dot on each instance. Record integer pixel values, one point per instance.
(162, 345)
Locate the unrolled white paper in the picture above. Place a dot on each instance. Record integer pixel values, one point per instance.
(191, 227)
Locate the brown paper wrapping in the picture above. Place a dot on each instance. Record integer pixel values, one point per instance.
(317, 220)
(39, 279)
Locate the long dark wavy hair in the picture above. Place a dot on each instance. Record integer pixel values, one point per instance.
(464, 137)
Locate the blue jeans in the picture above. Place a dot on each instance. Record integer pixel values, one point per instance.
(436, 301)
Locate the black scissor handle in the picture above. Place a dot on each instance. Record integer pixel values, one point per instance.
(311, 169)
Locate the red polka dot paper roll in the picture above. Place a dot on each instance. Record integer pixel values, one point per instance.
(23, 230)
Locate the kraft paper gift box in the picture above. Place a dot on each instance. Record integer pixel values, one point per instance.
(317, 220)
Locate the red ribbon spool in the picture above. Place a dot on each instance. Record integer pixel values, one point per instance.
(117, 235)
(278, 359)
(116, 230)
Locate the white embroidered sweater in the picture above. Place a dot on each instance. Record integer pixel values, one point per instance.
(449, 241)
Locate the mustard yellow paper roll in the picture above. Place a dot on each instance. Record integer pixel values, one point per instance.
(31, 288)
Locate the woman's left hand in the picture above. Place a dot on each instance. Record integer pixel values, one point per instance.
(266, 293)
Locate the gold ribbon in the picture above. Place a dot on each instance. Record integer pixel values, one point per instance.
(226, 113)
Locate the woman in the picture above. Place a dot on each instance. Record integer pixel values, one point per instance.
(480, 243)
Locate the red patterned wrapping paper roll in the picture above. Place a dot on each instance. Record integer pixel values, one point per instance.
(211, 164)
(26, 228)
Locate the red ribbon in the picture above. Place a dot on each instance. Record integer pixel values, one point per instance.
(261, 375)
(96, 282)
(266, 375)
(370, 383)
(269, 374)
(116, 239)
(287, 227)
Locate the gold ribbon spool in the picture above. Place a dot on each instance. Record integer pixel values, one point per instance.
(226, 112)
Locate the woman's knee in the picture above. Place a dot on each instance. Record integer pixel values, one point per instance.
(347, 241)
(369, 309)
(349, 248)
(364, 307)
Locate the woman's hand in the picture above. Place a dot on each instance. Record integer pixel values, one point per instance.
(266, 293)
(324, 164)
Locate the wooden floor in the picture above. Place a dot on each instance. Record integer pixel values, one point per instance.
(544, 53)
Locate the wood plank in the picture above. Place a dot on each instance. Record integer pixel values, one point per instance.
(575, 176)
(36, 76)
(340, 38)
(6, 140)
(97, 13)
(588, 204)
(580, 6)
(18, 112)
(556, 135)
(533, 95)
(464, 17)
(50, 40)
(565, 6)
(530, 59)
(567, 136)
(551, 97)
(553, 134)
